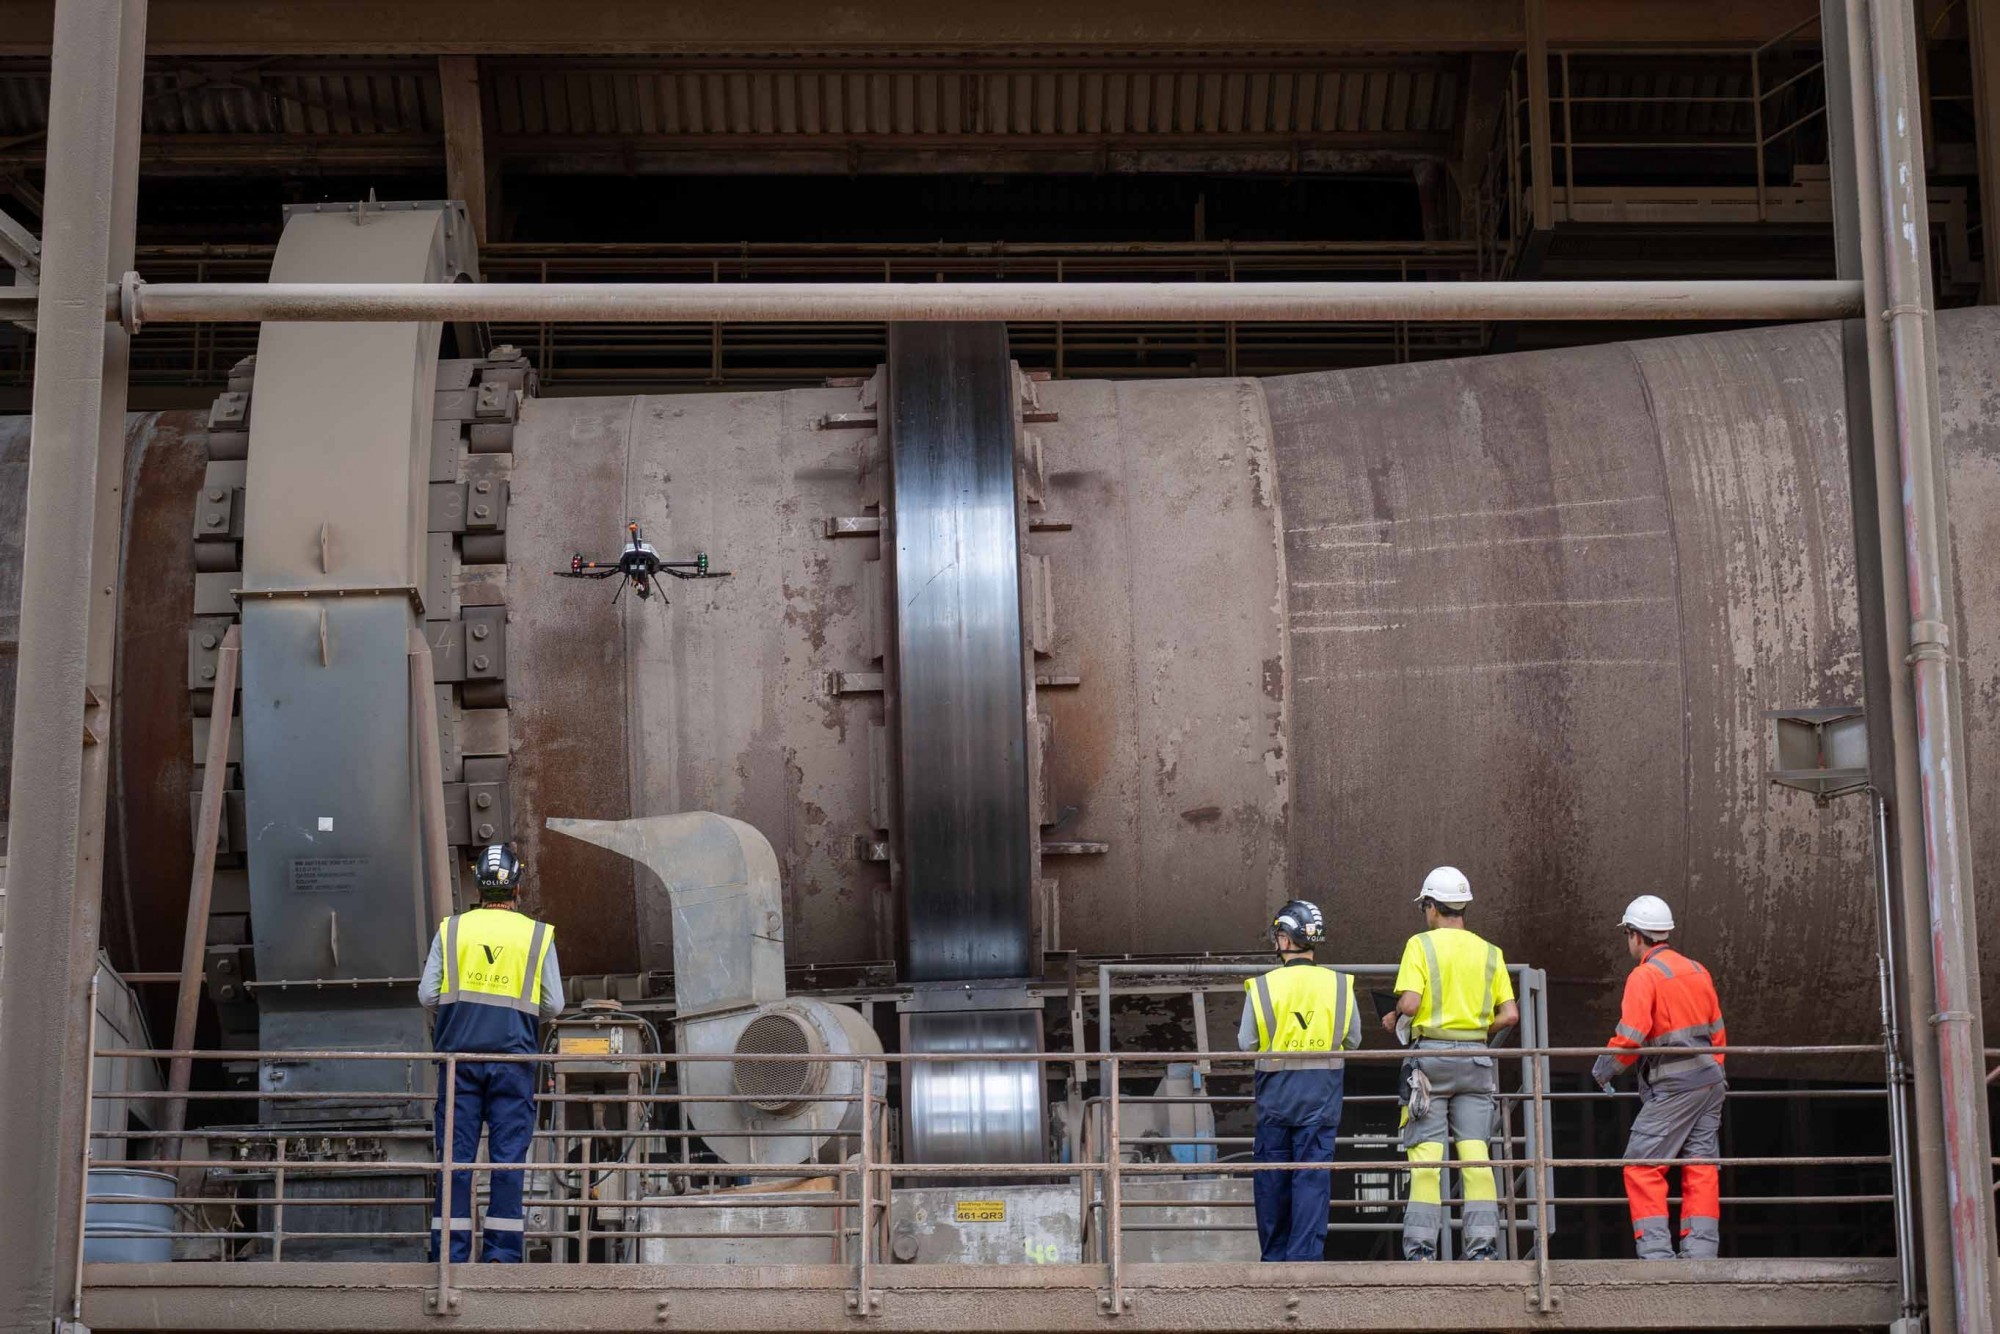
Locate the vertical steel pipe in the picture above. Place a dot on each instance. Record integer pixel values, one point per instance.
(68, 601)
(1900, 249)
(1881, 594)
(1895, 1078)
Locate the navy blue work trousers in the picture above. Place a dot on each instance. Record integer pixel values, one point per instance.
(500, 1096)
(1292, 1206)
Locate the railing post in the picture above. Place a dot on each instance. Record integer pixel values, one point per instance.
(444, 1301)
(1114, 1302)
(1229, 327)
(83, 1205)
(1061, 366)
(862, 1302)
(1757, 127)
(278, 1204)
(584, 1155)
(1569, 145)
(1544, 1303)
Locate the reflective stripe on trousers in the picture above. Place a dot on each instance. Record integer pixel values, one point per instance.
(1684, 1123)
(498, 1096)
(1463, 1083)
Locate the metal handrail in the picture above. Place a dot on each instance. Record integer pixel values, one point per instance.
(865, 1202)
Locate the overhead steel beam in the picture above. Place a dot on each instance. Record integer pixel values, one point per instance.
(62, 711)
(1320, 152)
(139, 303)
(438, 27)
(465, 171)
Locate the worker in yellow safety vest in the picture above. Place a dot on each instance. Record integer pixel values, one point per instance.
(1307, 1012)
(1453, 994)
(491, 977)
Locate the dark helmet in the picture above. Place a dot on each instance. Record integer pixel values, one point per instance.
(498, 872)
(1301, 921)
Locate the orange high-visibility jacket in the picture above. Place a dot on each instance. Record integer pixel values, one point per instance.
(1670, 1001)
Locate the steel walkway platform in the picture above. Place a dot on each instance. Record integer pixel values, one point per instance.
(1584, 1294)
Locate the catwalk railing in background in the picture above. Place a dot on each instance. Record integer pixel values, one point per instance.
(656, 1159)
(1673, 102)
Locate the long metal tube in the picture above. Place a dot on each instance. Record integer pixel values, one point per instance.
(1882, 593)
(68, 606)
(1895, 1078)
(195, 303)
(1904, 242)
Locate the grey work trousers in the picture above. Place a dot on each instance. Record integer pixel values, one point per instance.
(1463, 1085)
(1676, 1122)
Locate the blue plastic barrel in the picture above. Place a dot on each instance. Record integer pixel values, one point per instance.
(125, 1221)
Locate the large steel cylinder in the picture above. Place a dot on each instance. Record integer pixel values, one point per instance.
(1310, 635)
(1521, 614)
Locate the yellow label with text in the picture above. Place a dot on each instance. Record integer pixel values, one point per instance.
(585, 1046)
(982, 1211)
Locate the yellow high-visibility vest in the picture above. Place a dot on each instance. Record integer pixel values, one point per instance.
(1300, 1008)
(1461, 979)
(493, 956)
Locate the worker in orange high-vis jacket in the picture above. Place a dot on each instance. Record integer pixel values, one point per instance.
(1670, 1002)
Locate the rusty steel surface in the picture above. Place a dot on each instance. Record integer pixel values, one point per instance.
(1538, 607)
(1382, 1296)
(1172, 747)
(1566, 700)
(720, 701)
(153, 763)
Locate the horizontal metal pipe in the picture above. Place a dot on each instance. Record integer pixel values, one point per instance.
(142, 303)
(916, 1058)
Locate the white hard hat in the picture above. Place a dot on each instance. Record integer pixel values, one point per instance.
(1649, 913)
(1447, 885)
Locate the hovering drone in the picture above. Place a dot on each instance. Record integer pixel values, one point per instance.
(639, 565)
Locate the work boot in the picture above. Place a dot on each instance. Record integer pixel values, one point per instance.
(1701, 1238)
(1653, 1239)
(1484, 1248)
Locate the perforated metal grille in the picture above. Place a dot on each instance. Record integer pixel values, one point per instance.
(777, 1086)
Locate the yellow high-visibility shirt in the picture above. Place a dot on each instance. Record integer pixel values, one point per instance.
(1461, 979)
(494, 957)
(1301, 1008)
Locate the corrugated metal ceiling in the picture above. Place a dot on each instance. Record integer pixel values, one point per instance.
(875, 99)
(1210, 99)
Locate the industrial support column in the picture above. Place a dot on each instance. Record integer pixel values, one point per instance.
(1931, 812)
(68, 620)
(1883, 604)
